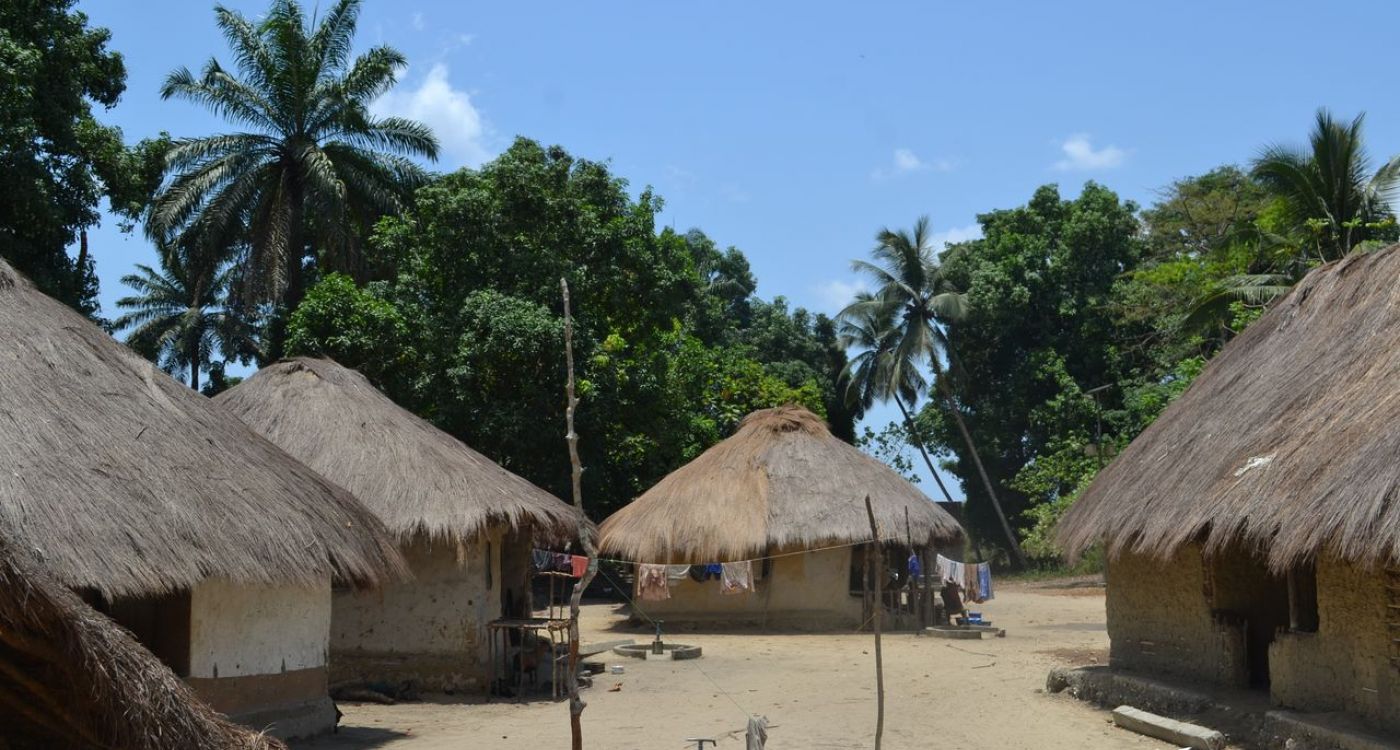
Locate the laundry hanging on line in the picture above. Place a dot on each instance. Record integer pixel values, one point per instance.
(974, 578)
(652, 583)
(736, 578)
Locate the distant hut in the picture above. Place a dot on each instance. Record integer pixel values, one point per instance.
(1253, 531)
(69, 677)
(466, 525)
(162, 510)
(783, 488)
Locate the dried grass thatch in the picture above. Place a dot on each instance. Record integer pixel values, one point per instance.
(415, 477)
(1289, 440)
(129, 483)
(71, 678)
(781, 481)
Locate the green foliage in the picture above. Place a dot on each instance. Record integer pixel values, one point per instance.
(355, 327)
(1038, 334)
(891, 446)
(672, 349)
(58, 161)
(312, 171)
(179, 316)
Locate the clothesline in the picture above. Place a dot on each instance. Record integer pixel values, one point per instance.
(750, 560)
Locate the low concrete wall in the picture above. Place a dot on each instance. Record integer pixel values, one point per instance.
(258, 654)
(1160, 620)
(430, 631)
(803, 591)
(1345, 665)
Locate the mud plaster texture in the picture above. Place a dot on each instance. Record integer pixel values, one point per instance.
(1346, 664)
(431, 631)
(1190, 617)
(803, 591)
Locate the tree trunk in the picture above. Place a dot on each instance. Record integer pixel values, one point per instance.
(918, 443)
(194, 373)
(585, 533)
(942, 384)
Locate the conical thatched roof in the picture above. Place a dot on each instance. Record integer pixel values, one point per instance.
(128, 482)
(415, 477)
(781, 481)
(1288, 440)
(71, 678)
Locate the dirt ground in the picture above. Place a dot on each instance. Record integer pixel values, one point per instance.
(818, 691)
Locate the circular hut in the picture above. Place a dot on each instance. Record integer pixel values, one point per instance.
(72, 678)
(786, 494)
(1253, 530)
(163, 511)
(465, 524)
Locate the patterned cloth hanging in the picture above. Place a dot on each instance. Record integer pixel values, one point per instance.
(736, 578)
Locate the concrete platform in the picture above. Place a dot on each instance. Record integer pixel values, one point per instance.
(1246, 718)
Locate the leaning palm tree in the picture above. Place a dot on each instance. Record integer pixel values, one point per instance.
(1328, 188)
(179, 316)
(877, 374)
(311, 167)
(908, 279)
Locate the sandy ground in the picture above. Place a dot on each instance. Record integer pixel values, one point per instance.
(818, 691)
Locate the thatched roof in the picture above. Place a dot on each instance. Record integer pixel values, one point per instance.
(127, 482)
(781, 481)
(70, 677)
(1289, 440)
(415, 477)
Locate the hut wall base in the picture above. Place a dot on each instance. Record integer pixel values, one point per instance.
(1344, 666)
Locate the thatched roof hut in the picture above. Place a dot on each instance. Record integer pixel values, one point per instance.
(1288, 441)
(415, 477)
(781, 481)
(127, 482)
(69, 677)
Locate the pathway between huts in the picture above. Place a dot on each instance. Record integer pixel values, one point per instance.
(818, 691)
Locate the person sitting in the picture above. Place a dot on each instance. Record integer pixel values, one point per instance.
(953, 603)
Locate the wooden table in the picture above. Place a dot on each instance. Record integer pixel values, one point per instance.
(500, 650)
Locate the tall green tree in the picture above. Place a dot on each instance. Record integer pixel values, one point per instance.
(313, 169)
(1039, 333)
(1329, 188)
(179, 317)
(908, 278)
(58, 161)
(878, 373)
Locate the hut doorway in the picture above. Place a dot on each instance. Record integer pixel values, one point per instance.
(1250, 597)
(160, 623)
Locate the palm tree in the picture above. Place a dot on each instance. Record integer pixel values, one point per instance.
(1329, 188)
(313, 164)
(876, 374)
(909, 280)
(179, 316)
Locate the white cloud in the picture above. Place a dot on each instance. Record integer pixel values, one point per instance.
(905, 161)
(1081, 155)
(418, 24)
(836, 294)
(955, 235)
(448, 111)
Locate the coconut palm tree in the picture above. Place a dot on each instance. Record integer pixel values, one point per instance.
(312, 165)
(179, 316)
(908, 279)
(1329, 188)
(876, 374)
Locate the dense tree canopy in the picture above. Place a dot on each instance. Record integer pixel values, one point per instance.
(58, 161)
(672, 348)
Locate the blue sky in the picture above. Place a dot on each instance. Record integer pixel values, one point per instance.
(796, 130)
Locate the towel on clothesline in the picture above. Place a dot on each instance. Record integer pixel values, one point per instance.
(677, 572)
(736, 578)
(652, 585)
(578, 565)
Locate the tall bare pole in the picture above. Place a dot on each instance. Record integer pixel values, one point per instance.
(585, 534)
(879, 607)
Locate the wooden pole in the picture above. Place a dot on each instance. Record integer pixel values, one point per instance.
(585, 534)
(879, 605)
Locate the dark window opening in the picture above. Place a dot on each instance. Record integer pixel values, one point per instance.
(1302, 599)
